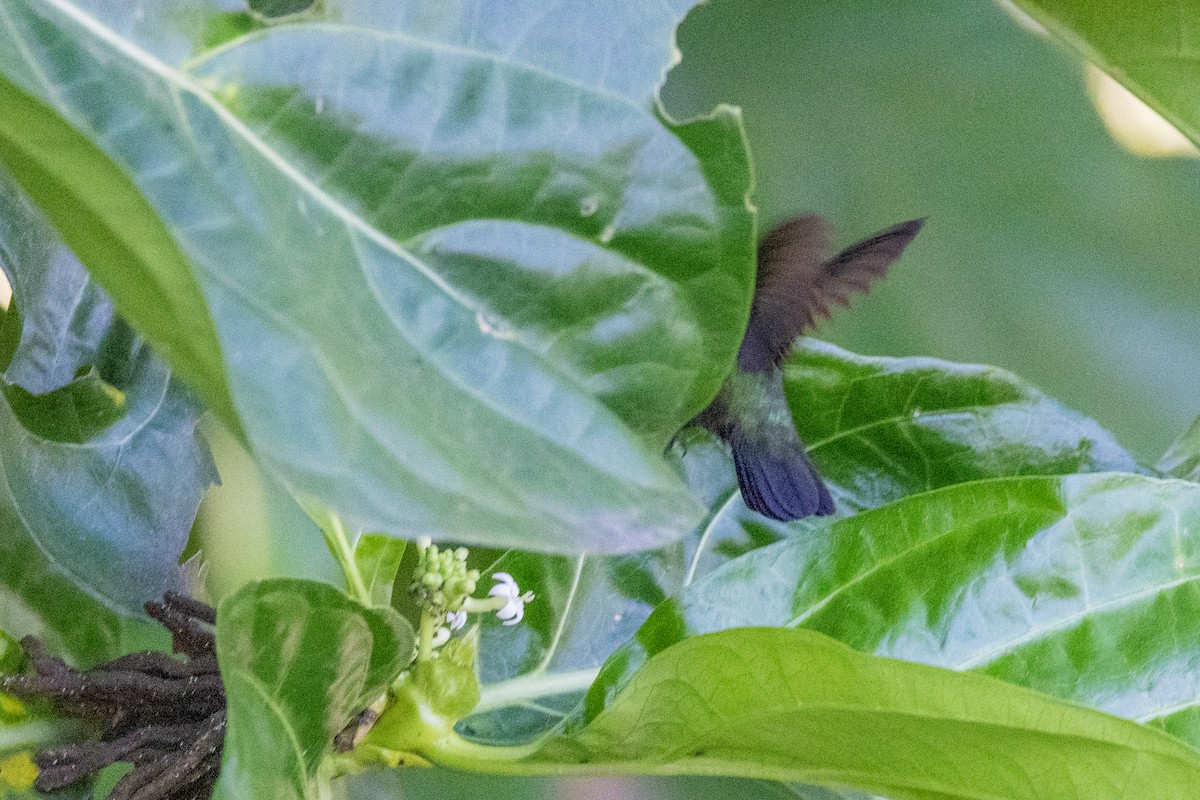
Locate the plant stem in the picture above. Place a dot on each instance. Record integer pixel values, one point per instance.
(425, 640)
(339, 545)
(532, 686)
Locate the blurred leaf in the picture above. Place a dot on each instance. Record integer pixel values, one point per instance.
(881, 429)
(73, 413)
(1082, 587)
(101, 216)
(103, 473)
(1150, 52)
(108, 777)
(299, 659)
(378, 558)
(17, 770)
(369, 203)
(11, 659)
(22, 732)
(795, 705)
(36, 599)
(1183, 458)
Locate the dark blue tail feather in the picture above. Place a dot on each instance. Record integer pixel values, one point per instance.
(778, 480)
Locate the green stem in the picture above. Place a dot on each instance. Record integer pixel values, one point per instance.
(533, 686)
(454, 751)
(425, 640)
(339, 545)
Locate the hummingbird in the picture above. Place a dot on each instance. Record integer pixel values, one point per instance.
(796, 284)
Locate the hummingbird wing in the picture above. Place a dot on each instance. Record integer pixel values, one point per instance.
(796, 285)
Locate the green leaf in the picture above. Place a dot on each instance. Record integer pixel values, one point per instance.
(1149, 52)
(378, 558)
(36, 599)
(101, 476)
(880, 429)
(299, 659)
(108, 224)
(24, 730)
(11, 658)
(794, 705)
(73, 413)
(108, 778)
(1182, 459)
(883, 428)
(1060, 584)
(369, 201)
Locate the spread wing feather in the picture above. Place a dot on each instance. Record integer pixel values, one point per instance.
(797, 285)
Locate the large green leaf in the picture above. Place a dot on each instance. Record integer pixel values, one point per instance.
(103, 473)
(1150, 51)
(880, 429)
(103, 219)
(795, 705)
(298, 659)
(466, 283)
(1082, 586)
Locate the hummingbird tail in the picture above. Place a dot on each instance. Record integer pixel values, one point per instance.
(779, 482)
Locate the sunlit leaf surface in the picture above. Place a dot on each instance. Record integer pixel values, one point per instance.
(1082, 586)
(465, 283)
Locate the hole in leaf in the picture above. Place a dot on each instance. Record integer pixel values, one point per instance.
(74, 413)
(273, 9)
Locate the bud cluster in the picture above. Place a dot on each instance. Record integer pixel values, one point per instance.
(441, 580)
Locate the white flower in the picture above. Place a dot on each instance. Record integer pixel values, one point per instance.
(513, 609)
(441, 635)
(456, 619)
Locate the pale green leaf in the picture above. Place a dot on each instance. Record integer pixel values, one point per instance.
(299, 660)
(101, 474)
(795, 705)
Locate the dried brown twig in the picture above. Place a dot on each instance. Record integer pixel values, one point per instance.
(164, 715)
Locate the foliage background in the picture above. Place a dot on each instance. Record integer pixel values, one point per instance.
(1050, 250)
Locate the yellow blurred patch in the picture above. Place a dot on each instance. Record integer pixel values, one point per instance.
(12, 710)
(18, 772)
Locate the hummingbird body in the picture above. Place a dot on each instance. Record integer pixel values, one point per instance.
(795, 285)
